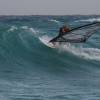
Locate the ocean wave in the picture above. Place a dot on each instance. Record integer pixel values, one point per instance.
(86, 53)
(56, 21)
(12, 28)
(89, 20)
(34, 30)
(31, 29)
(28, 66)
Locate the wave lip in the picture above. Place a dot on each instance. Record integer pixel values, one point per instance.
(55, 21)
(89, 20)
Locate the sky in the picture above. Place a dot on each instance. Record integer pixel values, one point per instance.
(49, 7)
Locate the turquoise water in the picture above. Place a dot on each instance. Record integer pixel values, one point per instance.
(29, 70)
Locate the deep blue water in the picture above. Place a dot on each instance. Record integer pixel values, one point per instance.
(29, 70)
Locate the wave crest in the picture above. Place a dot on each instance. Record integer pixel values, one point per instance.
(90, 20)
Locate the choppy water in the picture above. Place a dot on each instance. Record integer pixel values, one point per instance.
(29, 70)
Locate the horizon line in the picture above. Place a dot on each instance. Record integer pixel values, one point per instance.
(49, 15)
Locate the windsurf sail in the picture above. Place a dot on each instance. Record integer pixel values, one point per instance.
(78, 34)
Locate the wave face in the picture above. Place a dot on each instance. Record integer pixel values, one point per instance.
(29, 70)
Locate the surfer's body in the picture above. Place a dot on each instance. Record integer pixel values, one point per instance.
(64, 29)
(76, 35)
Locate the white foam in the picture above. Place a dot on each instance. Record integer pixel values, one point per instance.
(53, 20)
(86, 53)
(56, 21)
(32, 30)
(35, 31)
(90, 20)
(25, 27)
(12, 28)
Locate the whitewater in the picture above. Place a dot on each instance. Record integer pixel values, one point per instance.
(30, 70)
